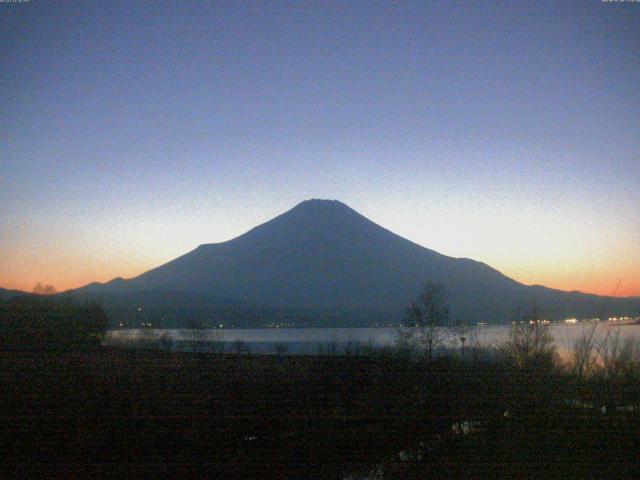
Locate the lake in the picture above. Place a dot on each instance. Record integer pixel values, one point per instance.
(330, 340)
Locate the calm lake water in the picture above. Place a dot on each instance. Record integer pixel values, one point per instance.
(313, 340)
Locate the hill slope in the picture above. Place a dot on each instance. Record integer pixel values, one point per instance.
(7, 294)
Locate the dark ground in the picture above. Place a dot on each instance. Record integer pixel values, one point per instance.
(153, 414)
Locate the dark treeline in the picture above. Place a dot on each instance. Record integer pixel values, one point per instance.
(50, 322)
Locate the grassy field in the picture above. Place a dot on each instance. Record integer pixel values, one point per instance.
(103, 413)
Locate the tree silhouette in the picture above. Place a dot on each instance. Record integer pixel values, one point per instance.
(427, 315)
(529, 342)
(50, 322)
(45, 289)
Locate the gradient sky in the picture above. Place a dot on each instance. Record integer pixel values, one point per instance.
(507, 132)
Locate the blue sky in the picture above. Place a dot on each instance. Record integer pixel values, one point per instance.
(508, 132)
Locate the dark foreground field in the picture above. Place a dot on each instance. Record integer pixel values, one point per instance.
(153, 414)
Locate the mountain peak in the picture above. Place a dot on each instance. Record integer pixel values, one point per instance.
(317, 203)
(310, 221)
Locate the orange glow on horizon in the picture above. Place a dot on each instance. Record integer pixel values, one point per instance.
(26, 278)
(621, 280)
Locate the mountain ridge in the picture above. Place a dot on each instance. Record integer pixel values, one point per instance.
(322, 255)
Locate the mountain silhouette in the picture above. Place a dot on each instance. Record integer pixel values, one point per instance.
(323, 256)
(8, 294)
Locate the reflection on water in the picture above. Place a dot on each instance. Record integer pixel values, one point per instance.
(310, 340)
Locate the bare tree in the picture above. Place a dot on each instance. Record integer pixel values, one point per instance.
(589, 357)
(196, 335)
(478, 345)
(45, 289)
(406, 342)
(529, 343)
(216, 342)
(583, 354)
(148, 339)
(618, 358)
(427, 315)
(165, 343)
